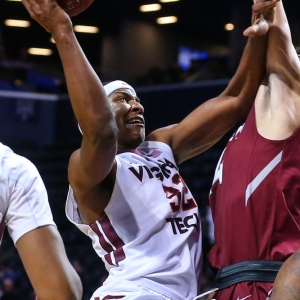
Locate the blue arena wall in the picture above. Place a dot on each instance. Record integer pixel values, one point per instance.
(47, 118)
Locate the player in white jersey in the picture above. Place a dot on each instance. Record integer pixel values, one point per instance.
(143, 180)
(25, 211)
(126, 192)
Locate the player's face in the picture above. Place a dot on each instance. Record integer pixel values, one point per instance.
(128, 113)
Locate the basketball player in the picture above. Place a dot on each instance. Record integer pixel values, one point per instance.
(256, 189)
(126, 192)
(25, 210)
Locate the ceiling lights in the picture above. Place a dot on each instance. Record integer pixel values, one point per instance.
(86, 29)
(40, 51)
(229, 27)
(157, 7)
(167, 20)
(17, 23)
(150, 7)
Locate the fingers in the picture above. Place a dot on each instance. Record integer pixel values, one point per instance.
(258, 29)
(37, 8)
(48, 14)
(250, 31)
(262, 17)
(31, 6)
(261, 6)
(34, 7)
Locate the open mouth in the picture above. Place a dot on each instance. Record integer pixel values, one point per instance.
(136, 121)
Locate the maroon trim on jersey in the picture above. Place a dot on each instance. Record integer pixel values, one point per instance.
(155, 153)
(130, 150)
(113, 297)
(109, 297)
(112, 237)
(2, 227)
(107, 247)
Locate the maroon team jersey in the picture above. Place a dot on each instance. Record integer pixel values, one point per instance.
(255, 198)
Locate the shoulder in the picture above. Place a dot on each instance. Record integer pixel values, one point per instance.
(7, 154)
(163, 134)
(148, 146)
(156, 151)
(14, 164)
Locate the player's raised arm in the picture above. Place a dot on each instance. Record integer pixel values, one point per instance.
(92, 163)
(211, 120)
(281, 111)
(283, 68)
(282, 58)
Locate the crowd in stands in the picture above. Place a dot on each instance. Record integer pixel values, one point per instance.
(204, 69)
(23, 75)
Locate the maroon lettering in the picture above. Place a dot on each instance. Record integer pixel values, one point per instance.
(171, 220)
(172, 192)
(187, 224)
(148, 172)
(138, 173)
(187, 204)
(181, 228)
(160, 172)
(182, 225)
(164, 168)
(157, 173)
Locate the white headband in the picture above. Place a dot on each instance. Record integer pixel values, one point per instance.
(118, 84)
(113, 86)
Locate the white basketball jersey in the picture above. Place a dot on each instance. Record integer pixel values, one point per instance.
(150, 231)
(24, 202)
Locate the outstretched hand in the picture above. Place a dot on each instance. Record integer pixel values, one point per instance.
(49, 15)
(262, 17)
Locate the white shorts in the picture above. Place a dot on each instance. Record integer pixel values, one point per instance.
(126, 290)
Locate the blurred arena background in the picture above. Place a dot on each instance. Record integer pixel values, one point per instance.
(174, 67)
